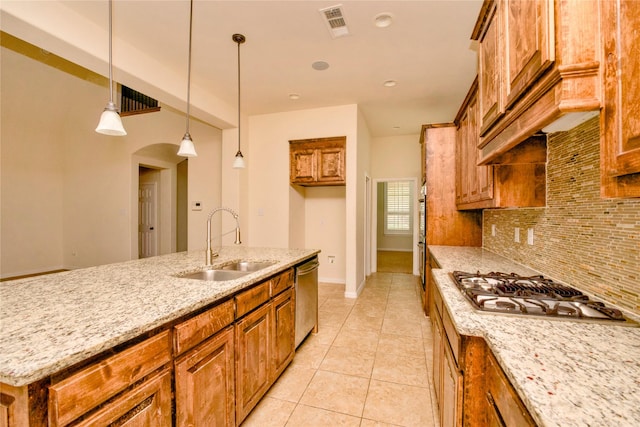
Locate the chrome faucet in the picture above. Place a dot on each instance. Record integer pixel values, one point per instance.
(210, 253)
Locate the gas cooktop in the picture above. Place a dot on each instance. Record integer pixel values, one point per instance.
(531, 295)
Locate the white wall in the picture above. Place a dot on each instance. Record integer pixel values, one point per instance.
(67, 190)
(273, 207)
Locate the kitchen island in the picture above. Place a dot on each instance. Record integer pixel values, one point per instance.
(567, 373)
(52, 324)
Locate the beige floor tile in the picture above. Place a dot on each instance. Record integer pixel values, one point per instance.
(399, 404)
(400, 369)
(363, 322)
(371, 423)
(270, 413)
(326, 334)
(307, 416)
(400, 326)
(332, 318)
(336, 392)
(292, 383)
(310, 354)
(348, 361)
(357, 340)
(401, 345)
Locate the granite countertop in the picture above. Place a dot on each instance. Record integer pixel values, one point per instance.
(48, 323)
(567, 373)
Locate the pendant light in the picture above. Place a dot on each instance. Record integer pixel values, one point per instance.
(186, 146)
(110, 122)
(238, 162)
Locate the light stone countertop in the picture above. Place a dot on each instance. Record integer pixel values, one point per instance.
(48, 323)
(567, 373)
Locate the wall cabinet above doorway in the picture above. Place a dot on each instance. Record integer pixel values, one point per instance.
(319, 161)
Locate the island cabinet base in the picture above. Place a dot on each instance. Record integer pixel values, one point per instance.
(23, 406)
(209, 368)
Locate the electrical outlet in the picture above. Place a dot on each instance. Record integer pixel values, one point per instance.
(332, 259)
(493, 230)
(530, 236)
(516, 235)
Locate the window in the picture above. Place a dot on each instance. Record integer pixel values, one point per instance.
(398, 216)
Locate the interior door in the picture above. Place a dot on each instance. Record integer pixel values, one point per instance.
(147, 214)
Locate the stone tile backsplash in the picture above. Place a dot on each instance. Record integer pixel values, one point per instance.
(579, 238)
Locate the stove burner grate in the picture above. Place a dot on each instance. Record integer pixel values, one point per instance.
(536, 295)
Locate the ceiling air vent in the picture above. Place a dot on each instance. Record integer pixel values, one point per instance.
(334, 18)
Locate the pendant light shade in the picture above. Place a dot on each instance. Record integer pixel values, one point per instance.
(238, 162)
(110, 122)
(187, 149)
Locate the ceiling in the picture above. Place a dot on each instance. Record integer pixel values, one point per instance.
(427, 50)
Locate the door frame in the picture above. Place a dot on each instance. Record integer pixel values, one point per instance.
(374, 223)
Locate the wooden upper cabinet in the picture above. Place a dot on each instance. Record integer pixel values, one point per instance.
(315, 162)
(528, 38)
(490, 68)
(538, 60)
(620, 124)
(510, 184)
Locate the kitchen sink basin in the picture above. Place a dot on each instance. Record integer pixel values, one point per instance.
(248, 266)
(226, 272)
(214, 275)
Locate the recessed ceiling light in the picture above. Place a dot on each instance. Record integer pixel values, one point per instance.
(320, 65)
(390, 83)
(294, 96)
(383, 20)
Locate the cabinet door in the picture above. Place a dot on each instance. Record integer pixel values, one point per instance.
(620, 141)
(331, 163)
(283, 332)
(451, 407)
(529, 47)
(147, 405)
(303, 165)
(438, 355)
(252, 359)
(490, 71)
(483, 176)
(205, 383)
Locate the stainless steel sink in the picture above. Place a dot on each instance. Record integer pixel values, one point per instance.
(214, 275)
(229, 271)
(248, 266)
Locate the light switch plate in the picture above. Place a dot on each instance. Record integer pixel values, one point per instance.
(516, 235)
(530, 236)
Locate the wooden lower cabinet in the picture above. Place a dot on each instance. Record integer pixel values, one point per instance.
(283, 332)
(252, 359)
(205, 386)
(470, 387)
(504, 407)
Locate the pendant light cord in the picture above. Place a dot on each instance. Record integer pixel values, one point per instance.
(239, 96)
(110, 49)
(189, 65)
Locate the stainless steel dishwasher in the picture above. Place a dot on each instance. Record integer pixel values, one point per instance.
(306, 299)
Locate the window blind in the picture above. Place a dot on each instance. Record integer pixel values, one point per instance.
(397, 211)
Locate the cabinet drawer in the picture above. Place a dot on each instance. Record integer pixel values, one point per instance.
(252, 298)
(281, 282)
(452, 336)
(149, 404)
(199, 328)
(502, 398)
(437, 298)
(74, 396)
